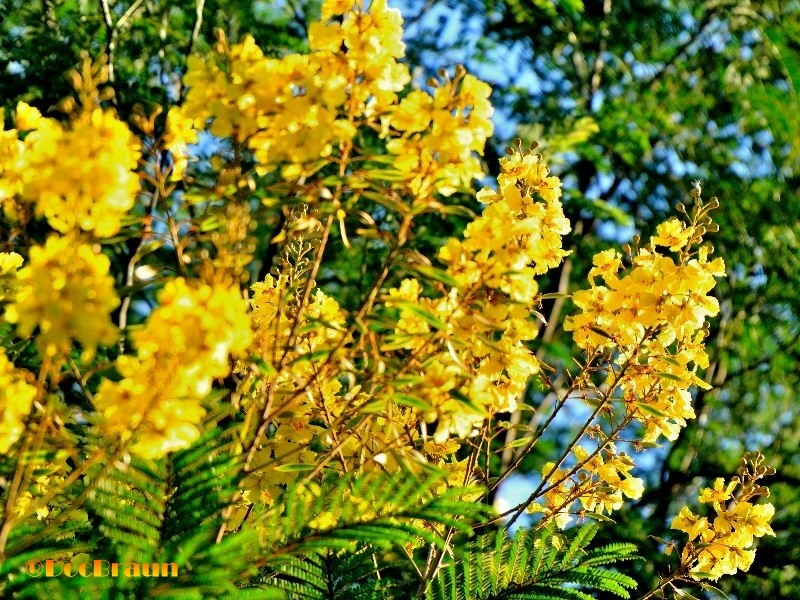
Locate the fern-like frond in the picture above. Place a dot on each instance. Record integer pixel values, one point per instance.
(335, 576)
(376, 508)
(533, 565)
(165, 511)
(127, 502)
(202, 479)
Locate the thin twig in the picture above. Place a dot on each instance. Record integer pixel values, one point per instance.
(111, 38)
(129, 13)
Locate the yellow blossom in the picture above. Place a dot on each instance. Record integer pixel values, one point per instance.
(179, 134)
(66, 292)
(413, 114)
(655, 304)
(690, 523)
(186, 343)
(720, 493)
(724, 544)
(673, 233)
(333, 8)
(81, 176)
(9, 263)
(27, 117)
(16, 399)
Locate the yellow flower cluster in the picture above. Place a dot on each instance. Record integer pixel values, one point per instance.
(295, 110)
(301, 343)
(653, 317)
(518, 235)
(599, 485)
(440, 133)
(184, 345)
(79, 176)
(180, 132)
(16, 399)
(722, 546)
(66, 292)
(373, 41)
(319, 326)
(486, 320)
(49, 476)
(284, 109)
(9, 263)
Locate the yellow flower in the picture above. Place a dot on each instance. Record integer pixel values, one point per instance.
(153, 406)
(186, 342)
(326, 37)
(414, 113)
(9, 263)
(179, 134)
(690, 523)
(334, 8)
(720, 493)
(66, 292)
(752, 520)
(16, 399)
(27, 117)
(632, 487)
(673, 234)
(723, 545)
(606, 264)
(82, 176)
(202, 325)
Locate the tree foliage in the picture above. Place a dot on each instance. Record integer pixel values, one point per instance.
(258, 325)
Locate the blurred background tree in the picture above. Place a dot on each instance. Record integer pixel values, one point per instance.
(630, 101)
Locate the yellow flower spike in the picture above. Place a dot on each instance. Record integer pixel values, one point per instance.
(641, 312)
(726, 540)
(187, 341)
(179, 134)
(66, 292)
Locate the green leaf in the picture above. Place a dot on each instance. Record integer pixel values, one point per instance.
(387, 201)
(423, 313)
(599, 517)
(409, 400)
(644, 407)
(669, 376)
(435, 274)
(295, 467)
(708, 587)
(679, 593)
(518, 443)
